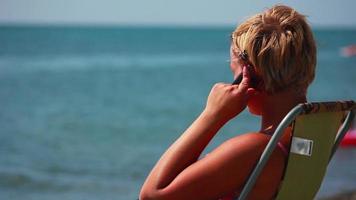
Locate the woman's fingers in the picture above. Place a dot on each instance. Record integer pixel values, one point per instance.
(244, 85)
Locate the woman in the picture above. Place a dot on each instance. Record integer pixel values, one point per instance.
(276, 49)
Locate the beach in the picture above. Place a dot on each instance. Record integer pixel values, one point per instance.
(87, 111)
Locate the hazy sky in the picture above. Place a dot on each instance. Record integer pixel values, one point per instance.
(167, 12)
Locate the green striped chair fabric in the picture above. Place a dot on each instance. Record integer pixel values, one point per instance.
(318, 129)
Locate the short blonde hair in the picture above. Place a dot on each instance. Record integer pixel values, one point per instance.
(280, 45)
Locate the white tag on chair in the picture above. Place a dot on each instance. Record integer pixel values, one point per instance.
(301, 146)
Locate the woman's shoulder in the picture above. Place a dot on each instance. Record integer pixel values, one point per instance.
(254, 143)
(250, 140)
(245, 148)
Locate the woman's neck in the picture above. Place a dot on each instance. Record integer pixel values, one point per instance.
(276, 108)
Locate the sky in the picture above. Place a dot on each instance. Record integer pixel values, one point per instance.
(167, 12)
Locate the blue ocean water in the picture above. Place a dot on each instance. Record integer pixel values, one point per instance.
(86, 112)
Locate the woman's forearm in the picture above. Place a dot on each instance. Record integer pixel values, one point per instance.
(184, 151)
(225, 101)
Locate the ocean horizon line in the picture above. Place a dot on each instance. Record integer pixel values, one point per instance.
(148, 26)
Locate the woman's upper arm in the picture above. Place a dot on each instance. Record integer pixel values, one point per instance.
(221, 172)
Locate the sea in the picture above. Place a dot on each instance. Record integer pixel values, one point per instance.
(85, 112)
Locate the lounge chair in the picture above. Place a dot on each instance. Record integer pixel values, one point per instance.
(318, 129)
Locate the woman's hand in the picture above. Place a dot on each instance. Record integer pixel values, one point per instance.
(225, 101)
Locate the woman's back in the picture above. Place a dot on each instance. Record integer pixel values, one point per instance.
(268, 182)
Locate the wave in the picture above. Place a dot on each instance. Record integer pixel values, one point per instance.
(24, 180)
(106, 61)
(50, 182)
(14, 179)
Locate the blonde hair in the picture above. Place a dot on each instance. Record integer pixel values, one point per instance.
(280, 45)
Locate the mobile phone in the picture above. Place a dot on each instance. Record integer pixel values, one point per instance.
(255, 81)
(237, 80)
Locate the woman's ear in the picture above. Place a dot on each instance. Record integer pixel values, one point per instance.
(252, 92)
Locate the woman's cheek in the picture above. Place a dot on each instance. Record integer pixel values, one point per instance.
(235, 68)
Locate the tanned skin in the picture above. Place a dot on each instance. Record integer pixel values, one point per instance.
(180, 174)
